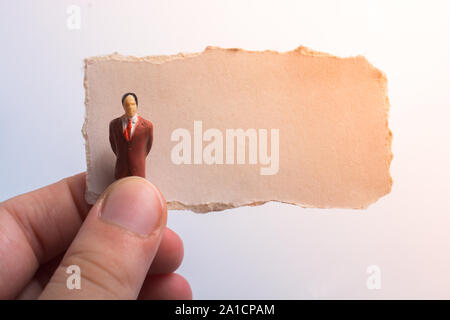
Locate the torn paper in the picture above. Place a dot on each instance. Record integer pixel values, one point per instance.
(235, 127)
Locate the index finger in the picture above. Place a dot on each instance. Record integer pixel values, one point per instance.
(36, 226)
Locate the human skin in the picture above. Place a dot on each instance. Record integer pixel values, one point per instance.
(44, 231)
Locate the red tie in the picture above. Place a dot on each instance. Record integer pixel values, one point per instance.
(127, 131)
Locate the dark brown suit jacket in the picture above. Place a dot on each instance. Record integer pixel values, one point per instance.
(130, 154)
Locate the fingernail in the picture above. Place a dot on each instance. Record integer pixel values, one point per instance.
(134, 204)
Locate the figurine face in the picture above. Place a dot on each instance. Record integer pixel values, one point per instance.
(129, 105)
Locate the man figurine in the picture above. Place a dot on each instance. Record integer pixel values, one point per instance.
(131, 138)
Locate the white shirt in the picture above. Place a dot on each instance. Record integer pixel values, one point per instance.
(134, 120)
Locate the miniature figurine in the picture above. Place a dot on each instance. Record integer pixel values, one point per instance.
(131, 138)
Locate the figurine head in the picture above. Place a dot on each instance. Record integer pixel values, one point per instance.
(129, 103)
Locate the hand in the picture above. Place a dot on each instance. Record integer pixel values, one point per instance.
(123, 248)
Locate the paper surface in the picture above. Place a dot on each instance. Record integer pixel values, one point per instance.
(316, 125)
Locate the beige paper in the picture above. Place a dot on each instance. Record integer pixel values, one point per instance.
(331, 115)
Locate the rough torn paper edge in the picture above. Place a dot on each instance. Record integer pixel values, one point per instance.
(91, 197)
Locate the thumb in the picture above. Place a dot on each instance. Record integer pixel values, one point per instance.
(115, 246)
